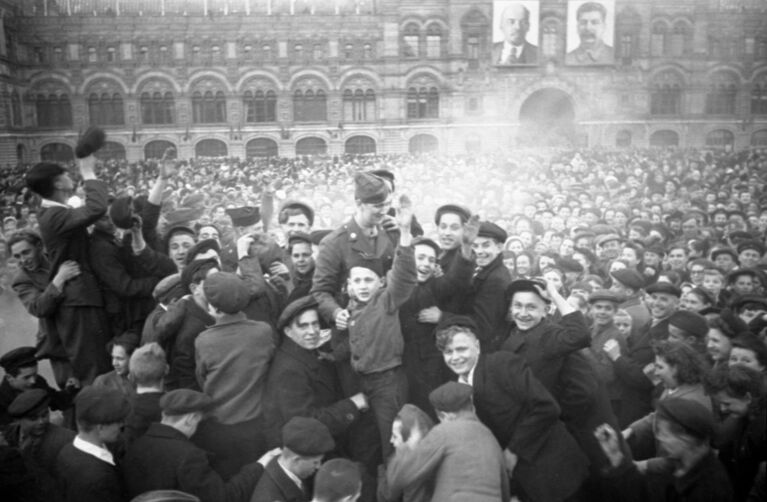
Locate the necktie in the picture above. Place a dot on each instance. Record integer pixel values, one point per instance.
(513, 56)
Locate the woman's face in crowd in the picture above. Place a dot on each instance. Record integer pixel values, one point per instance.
(731, 405)
(523, 265)
(740, 356)
(178, 246)
(666, 373)
(553, 277)
(718, 345)
(120, 360)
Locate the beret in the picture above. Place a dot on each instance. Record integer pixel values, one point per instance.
(370, 189)
(692, 416)
(302, 206)
(294, 309)
(90, 142)
(183, 401)
(184, 215)
(244, 216)
(724, 250)
(568, 264)
(602, 239)
(121, 212)
(756, 246)
(629, 278)
(187, 275)
(463, 212)
(525, 286)
(41, 174)
(307, 437)
(663, 287)
(101, 405)
(604, 295)
(448, 320)
(28, 403)
(690, 322)
(226, 292)
(451, 397)
(318, 235)
(299, 237)
(21, 357)
(425, 241)
(490, 230)
(202, 247)
(374, 264)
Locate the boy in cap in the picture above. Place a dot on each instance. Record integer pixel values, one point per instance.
(85, 468)
(166, 459)
(232, 359)
(688, 327)
(460, 454)
(337, 480)
(628, 285)
(305, 441)
(299, 251)
(147, 370)
(603, 306)
(80, 319)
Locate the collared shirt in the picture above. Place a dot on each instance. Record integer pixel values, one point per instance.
(469, 378)
(292, 476)
(508, 50)
(91, 449)
(52, 203)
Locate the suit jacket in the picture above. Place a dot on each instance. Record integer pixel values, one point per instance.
(529, 54)
(524, 418)
(276, 486)
(462, 457)
(165, 459)
(40, 458)
(489, 303)
(85, 478)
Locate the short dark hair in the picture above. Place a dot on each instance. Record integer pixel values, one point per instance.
(336, 479)
(688, 362)
(736, 381)
(286, 213)
(592, 7)
(24, 235)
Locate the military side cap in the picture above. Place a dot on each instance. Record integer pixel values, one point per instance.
(307, 437)
(385, 174)
(692, 416)
(301, 206)
(226, 292)
(29, 403)
(754, 245)
(690, 322)
(462, 212)
(664, 287)
(244, 216)
(21, 357)
(425, 241)
(451, 397)
(318, 235)
(604, 295)
(605, 238)
(490, 230)
(525, 286)
(299, 237)
(121, 212)
(370, 189)
(183, 401)
(629, 278)
(41, 175)
(101, 405)
(202, 247)
(723, 250)
(449, 320)
(294, 309)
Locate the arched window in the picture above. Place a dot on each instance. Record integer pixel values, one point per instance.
(57, 152)
(208, 107)
(111, 150)
(311, 146)
(721, 95)
(680, 39)
(666, 94)
(474, 28)
(759, 138)
(720, 138)
(261, 147)
(433, 41)
(106, 109)
(658, 40)
(360, 145)
(411, 39)
(156, 149)
(550, 39)
(53, 110)
(664, 139)
(422, 143)
(359, 105)
(623, 139)
(422, 103)
(157, 107)
(211, 148)
(260, 106)
(309, 105)
(759, 97)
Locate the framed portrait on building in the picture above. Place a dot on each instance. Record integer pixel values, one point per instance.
(590, 32)
(515, 32)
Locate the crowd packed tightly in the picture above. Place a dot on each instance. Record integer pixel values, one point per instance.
(533, 326)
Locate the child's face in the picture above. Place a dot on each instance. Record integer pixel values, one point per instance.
(363, 283)
(713, 283)
(623, 323)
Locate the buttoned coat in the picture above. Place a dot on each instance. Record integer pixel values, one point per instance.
(489, 304)
(276, 486)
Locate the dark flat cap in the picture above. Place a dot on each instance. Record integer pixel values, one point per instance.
(301, 206)
(226, 292)
(568, 264)
(451, 397)
(604, 295)
(182, 215)
(318, 235)
(656, 249)
(447, 320)
(307, 437)
(244, 216)
(183, 401)
(202, 247)
(299, 237)
(602, 239)
(690, 322)
(692, 416)
(463, 212)
(525, 286)
(121, 212)
(101, 405)
(167, 287)
(756, 300)
(187, 275)
(29, 403)
(370, 189)
(41, 175)
(90, 142)
(490, 230)
(294, 309)
(21, 357)
(754, 245)
(743, 271)
(663, 287)
(629, 278)
(724, 250)
(195, 199)
(425, 241)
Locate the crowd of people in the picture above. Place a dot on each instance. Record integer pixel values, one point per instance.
(537, 325)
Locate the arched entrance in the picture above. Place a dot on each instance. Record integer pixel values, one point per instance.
(57, 152)
(111, 150)
(311, 146)
(156, 149)
(547, 118)
(664, 139)
(261, 147)
(210, 148)
(423, 143)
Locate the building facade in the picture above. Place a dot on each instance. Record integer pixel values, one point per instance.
(284, 77)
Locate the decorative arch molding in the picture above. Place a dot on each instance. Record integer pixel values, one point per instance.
(425, 71)
(97, 79)
(732, 70)
(759, 75)
(310, 73)
(52, 84)
(443, 25)
(274, 136)
(418, 20)
(170, 139)
(208, 79)
(353, 73)
(101, 85)
(576, 97)
(243, 83)
(61, 78)
(665, 73)
(149, 77)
